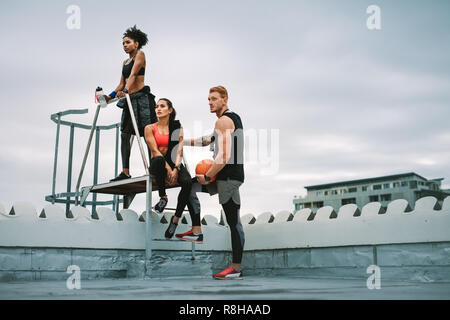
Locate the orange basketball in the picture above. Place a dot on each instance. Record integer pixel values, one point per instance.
(203, 167)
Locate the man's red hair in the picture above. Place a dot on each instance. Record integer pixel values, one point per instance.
(220, 90)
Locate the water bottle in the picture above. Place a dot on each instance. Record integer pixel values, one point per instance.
(101, 97)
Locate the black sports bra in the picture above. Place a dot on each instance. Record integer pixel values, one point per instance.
(126, 70)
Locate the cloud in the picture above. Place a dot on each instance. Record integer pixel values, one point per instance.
(348, 103)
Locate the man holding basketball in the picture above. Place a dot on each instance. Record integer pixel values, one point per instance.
(228, 168)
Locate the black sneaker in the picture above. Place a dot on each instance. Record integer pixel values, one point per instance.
(171, 229)
(161, 205)
(121, 176)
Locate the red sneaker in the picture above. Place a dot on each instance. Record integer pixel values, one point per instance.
(228, 274)
(190, 236)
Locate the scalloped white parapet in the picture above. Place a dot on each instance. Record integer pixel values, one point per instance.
(22, 226)
(248, 219)
(210, 220)
(283, 216)
(348, 211)
(374, 224)
(399, 206)
(446, 204)
(324, 213)
(2, 211)
(302, 215)
(428, 221)
(372, 209)
(128, 216)
(265, 217)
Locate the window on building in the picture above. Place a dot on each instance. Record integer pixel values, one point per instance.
(434, 186)
(377, 187)
(396, 184)
(386, 185)
(352, 189)
(386, 197)
(326, 193)
(307, 205)
(318, 204)
(318, 193)
(373, 198)
(334, 192)
(347, 201)
(404, 183)
(413, 184)
(364, 188)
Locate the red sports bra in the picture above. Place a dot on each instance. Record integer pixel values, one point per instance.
(162, 140)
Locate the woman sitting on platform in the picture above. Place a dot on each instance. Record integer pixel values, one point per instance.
(165, 140)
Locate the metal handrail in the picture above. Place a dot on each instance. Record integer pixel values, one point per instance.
(94, 125)
(57, 119)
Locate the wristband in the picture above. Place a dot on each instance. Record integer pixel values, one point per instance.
(125, 91)
(206, 178)
(113, 94)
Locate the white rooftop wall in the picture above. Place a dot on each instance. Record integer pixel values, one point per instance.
(283, 216)
(428, 221)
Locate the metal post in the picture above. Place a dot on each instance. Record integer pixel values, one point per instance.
(86, 153)
(136, 131)
(69, 170)
(116, 170)
(55, 162)
(193, 251)
(97, 147)
(148, 219)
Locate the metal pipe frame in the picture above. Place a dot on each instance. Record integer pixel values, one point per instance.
(57, 198)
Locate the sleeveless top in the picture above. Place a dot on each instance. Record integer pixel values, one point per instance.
(162, 140)
(234, 169)
(126, 70)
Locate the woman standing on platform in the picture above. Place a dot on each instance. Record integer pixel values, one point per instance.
(143, 101)
(165, 140)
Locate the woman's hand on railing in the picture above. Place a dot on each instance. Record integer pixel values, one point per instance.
(120, 94)
(110, 99)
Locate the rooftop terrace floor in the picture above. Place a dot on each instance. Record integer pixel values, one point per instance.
(249, 288)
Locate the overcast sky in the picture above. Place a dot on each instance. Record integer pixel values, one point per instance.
(343, 102)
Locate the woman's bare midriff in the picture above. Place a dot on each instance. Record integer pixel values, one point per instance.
(137, 85)
(163, 152)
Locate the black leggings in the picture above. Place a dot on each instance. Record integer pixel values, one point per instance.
(125, 150)
(237, 232)
(158, 169)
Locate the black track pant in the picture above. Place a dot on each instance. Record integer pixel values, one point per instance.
(158, 169)
(125, 149)
(237, 232)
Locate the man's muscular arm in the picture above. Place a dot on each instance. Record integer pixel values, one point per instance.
(199, 142)
(224, 127)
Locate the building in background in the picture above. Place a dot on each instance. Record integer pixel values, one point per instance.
(409, 186)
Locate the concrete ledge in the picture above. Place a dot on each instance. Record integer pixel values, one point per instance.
(350, 226)
(423, 262)
(9, 276)
(52, 263)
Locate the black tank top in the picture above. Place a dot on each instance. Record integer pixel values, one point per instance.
(234, 169)
(126, 70)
